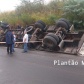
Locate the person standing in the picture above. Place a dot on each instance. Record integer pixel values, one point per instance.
(14, 39)
(9, 41)
(25, 41)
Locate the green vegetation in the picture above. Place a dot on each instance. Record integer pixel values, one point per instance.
(28, 12)
(74, 11)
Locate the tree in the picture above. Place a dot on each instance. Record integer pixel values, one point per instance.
(74, 11)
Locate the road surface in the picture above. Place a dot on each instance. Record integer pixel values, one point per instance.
(37, 67)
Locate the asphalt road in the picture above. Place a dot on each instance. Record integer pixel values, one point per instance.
(37, 67)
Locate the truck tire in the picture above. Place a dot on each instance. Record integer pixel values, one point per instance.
(39, 25)
(65, 20)
(40, 21)
(61, 24)
(29, 29)
(54, 36)
(49, 42)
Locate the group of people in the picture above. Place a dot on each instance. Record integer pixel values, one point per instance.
(11, 39)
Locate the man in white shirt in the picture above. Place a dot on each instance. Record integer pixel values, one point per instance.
(25, 41)
(13, 45)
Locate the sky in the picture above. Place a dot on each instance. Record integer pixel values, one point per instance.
(8, 5)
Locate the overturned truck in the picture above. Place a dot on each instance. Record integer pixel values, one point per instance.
(59, 38)
(4, 28)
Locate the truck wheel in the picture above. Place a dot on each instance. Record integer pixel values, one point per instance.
(65, 20)
(61, 24)
(29, 29)
(39, 25)
(40, 21)
(54, 36)
(49, 42)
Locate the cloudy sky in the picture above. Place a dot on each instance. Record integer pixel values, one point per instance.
(7, 5)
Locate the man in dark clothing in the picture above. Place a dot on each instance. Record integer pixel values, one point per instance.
(9, 41)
